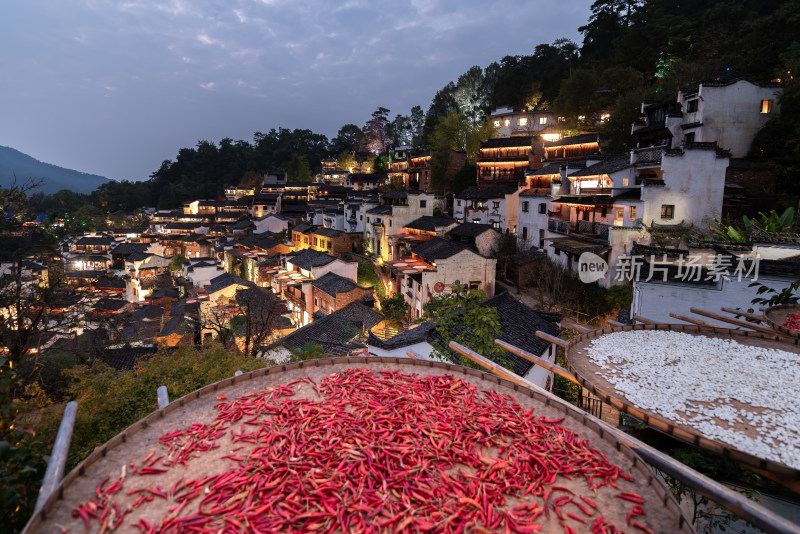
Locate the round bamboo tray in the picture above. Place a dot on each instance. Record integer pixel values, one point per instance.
(590, 376)
(775, 316)
(661, 511)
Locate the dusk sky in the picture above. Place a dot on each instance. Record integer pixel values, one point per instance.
(116, 87)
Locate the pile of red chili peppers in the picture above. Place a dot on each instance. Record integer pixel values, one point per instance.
(792, 322)
(374, 452)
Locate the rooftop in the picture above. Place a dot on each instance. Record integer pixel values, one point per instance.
(437, 248)
(308, 259)
(332, 283)
(430, 223)
(481, 193)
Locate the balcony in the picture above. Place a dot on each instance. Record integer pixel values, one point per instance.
(648, 157)
(586, 228)
(593, 191)
(558, 226)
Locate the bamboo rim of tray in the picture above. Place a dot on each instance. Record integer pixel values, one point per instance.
(776, 315)
(662, 504)
(681, 431)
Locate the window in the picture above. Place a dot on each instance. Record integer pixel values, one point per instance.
(624, 182)
(496, 225)
(367, 219)
(542, 120)
(507, 122)
(316, 302)
(523, 121)
(766, 106)
(691, 105)
(632, 213)
(585, 215)
(542, 208)
(390, 223)
(603, 211)
(524, 232)
(688, 138)
(557, 252)
(458, 203)
(476, 221)
(315, 242)
(525, 207)
(667, 211)
(497, 124)
(361, 217)
(496, 205)
(423, 204)
(541, 238)
(330, 243)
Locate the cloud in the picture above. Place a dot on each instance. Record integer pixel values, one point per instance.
(207, 86)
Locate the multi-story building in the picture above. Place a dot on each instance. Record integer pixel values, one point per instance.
(504, 160)
(511, 122)
(385, 222)
(434, 267)
(485, 205)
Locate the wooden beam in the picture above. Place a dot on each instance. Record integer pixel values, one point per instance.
(490, 365)
(58, 456)
(737, 322)
(413, 355)
(735, 502)
(643, 320)
(698, 322)
(552, 339)
(553, 368)
(740, 313)
(575, 326)
(614, 323)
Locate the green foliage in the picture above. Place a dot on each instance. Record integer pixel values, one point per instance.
(773, 297)
(176, 264)
(368, 278)
(728, 233)
(773, 222)
(23, 461)
(346, 161)
(298, 170)
(395, 309)
(309, 351)
(460, 318)
(109, 400)
(619, 298)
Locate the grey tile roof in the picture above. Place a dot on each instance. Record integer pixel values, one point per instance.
(110, 304)
(124, 358)
(383, 209)
(180, 324)
(224, 280)
(430, 223)
(327, 232)
(96, 241)
(476, 192)
(124, 249)
(338, 328)
(608, 166)
(470, 229)
(303, 228)
(438, 248)
(148, 313)
(549, 169)
(332, 283)
(105, 282)
(573, 140)
(508, 142)
(308, 259)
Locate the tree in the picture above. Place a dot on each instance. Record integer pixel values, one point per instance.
(346, 161)
(260, 308)
(348, 139)
(465, 177)
(472, 96)
(417, 119)
(395, 309)
(576, 98)
(376, 132)
(298, 170)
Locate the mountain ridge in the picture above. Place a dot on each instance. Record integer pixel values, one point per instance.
(20, 167)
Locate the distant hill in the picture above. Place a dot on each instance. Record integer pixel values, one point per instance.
(15, 163)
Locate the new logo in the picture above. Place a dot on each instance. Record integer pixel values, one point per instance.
(591, 267)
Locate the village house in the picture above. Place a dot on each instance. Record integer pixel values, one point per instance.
(421, 230)
(274, 222)
(571, 148)
(332, 292)
(510, 122)
(335, 241)
(385, 222)
(486, 205)
(263, 204)
(517, 321)
(200, 273)
(504, 160)
(354, 209)
(434, 267)
(365, 182)
(481, 238)
(93, 245)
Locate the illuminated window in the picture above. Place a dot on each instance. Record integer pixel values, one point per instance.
(542, 120)
(496, 205)
(581, 117)
(523, 121)
(632, 213)
(507, 122)
(624, 181)
(667, 211)
(562, 119)
(766, 106)
(497, 124)
(604, 117)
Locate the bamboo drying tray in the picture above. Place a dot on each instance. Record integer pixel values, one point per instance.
(586, 371)
(775, 316)
(662, 512)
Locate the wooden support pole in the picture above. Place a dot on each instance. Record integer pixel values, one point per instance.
(740, 313)
(163, 397)
(58, 457)
(575, 326)
(491, 366)
(735, 502)
(698, 322)
(552, 339)
(643, 320)
(553, 368)
(737, 322)
(614, 323)
(413, 355)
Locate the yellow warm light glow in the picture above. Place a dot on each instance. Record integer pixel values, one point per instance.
(551, 137)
